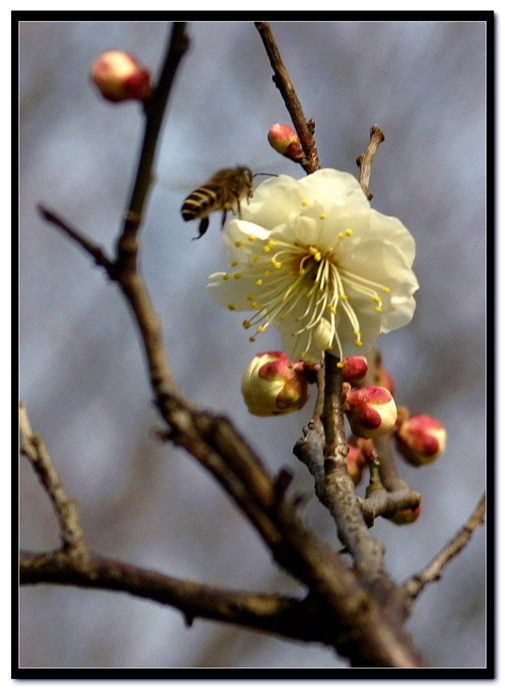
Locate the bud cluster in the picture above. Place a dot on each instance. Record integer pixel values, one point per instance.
(372, 412)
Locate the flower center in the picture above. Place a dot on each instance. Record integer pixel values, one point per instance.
(305, 286)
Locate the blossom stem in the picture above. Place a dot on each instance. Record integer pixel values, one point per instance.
(281, 79)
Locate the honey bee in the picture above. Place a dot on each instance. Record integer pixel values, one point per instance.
(222, 192)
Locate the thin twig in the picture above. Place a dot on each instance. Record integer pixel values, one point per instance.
(365, 160)
(414, 585)
(34, 448)
(86, 243)
(177, 46)
(304, 128)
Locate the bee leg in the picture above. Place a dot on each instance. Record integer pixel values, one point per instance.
(204, 225)
(223, 218)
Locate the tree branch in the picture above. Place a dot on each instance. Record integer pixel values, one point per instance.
(83, 241)
(34, 448)
(127, 246)
(357, 624)
(414, 585)
(281, 615)
(365, 160)
(343, 615)
(304, 128)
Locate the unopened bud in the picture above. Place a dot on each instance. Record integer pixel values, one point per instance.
(354, 369)
(420, 439)
(285, 141)
(273, 385)
(358, 456)
(384, 378)
(405, 517)
(120, 76)
(371, 411)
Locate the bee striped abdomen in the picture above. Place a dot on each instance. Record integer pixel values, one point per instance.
(222, 192)
(201, 202)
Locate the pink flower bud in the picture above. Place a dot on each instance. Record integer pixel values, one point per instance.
(354, 369)
(405, 517)
(371, 411)
(285, 141)
(119, 76)
(420, 439)
(273, 385)
(360, 451)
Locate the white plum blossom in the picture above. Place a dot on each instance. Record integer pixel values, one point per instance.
(312, 257)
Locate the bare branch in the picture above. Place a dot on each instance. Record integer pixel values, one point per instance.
(34, 448)
(86, 243)
(337, 602)
(177, 46)
(365, 160)
(304, 128)
(282, 615)
(413, 586)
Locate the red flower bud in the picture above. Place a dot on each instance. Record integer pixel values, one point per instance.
(285, 141)
(273, 385)
(371, 411)
(354, 369)
(360, 451)
(405, 517)
(420, 439)
(120, 76)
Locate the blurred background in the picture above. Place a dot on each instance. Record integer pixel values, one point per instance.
(82, 373)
